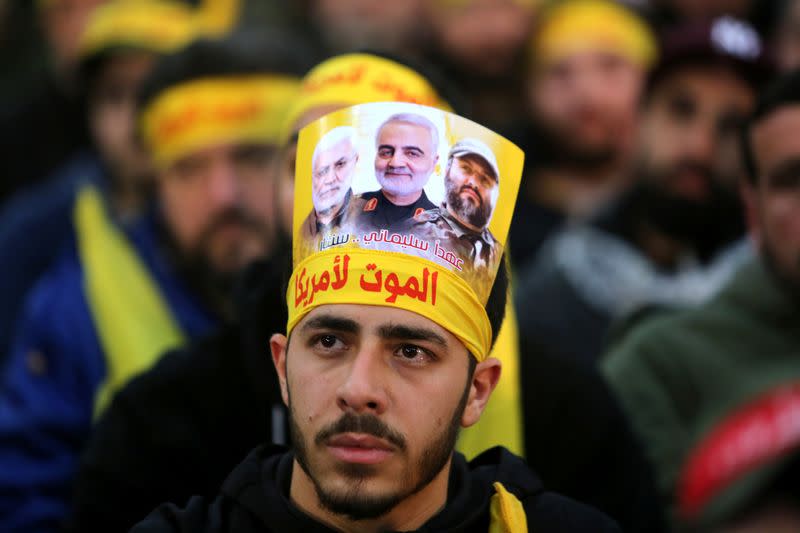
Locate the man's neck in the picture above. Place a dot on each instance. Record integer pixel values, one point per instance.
(402, 199)
(409, 515)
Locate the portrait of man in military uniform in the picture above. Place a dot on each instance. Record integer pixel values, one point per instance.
(333, 167)
(461, 223)
(407, 152)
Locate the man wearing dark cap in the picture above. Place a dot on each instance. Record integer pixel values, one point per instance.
(675, 236)
(461, 224)
(713, 391)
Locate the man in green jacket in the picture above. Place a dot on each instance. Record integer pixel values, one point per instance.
(696, 383)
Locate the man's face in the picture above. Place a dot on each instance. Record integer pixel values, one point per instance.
(471, 188)
(218, 204)
(688, 161)
(375, 402)
(405, 158)
(112, 115)
(689, 128)
(586, 104)
(332, 175)
(774, 202)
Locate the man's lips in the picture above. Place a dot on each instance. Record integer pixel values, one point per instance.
(474, 195)
(395, 174)
(359, 448)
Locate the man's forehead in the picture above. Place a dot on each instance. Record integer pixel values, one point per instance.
(687, 79)
(404, 126)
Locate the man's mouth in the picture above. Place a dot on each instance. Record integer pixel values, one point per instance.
(472, 194)
(359, 448)
(396, 174)
(328, 192)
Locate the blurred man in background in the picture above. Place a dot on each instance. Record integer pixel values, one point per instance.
(480, 44)
(39, 134)
(587, 64)
(675, 236)
(109, 307)
(713, 391)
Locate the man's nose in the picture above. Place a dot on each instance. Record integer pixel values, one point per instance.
(364, 390)
(223, 185)
(398, 160)
(700, 142)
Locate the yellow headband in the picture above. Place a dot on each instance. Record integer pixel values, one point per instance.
(373, 277)
(157, 25)
(579, 25)
(205, 112)
(356, 79)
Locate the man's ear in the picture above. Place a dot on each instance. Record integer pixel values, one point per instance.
(277, 345)
(484, 380)
(749, 195)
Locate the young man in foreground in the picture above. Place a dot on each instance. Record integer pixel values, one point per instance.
(378, 379)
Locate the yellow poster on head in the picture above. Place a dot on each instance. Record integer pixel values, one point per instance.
(403, 205)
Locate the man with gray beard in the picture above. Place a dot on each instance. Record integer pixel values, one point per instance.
(407, 152)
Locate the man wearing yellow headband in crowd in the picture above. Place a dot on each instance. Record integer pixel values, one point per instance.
(377, 388)
(158, 419)
(587, 62)
(120, 296)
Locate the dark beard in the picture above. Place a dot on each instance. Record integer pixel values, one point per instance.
(354, 505)
(706, 226)
(194, 266)
(477, 216)
(556, 149)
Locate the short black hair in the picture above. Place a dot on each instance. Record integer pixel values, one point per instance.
(241, 53)
(785, 91)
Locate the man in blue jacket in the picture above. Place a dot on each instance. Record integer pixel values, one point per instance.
(119, 296)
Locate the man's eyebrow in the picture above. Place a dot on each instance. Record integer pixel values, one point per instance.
(400, 332)
(332, 323)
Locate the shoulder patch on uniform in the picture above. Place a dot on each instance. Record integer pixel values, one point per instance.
(419, 211)
(371, 204)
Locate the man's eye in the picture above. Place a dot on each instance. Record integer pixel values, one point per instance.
(413, 352)
(328, 341)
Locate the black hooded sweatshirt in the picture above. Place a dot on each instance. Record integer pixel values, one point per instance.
(255, 498)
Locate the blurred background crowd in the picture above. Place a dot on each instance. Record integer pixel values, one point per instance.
(654, 251)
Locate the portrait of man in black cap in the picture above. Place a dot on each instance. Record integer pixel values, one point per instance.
(461, 223)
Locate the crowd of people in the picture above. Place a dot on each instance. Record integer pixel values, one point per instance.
(632, 331)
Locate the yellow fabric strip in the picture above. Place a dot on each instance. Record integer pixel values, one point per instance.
(210, 111)
(217, 17)
(507, 515)
(390, 279)
(582, 25)
(133, 322)
(501, 422)
(358, 79)
(157, 25)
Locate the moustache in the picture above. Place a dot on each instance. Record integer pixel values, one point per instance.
(473, 189)
(695, 167)
(230, 216)
(365, 424)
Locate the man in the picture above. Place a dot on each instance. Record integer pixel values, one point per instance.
(587, 63)
(334, 163)
(115, 56)
(118, 297)
(675, 236)
(461, 224)
(713, 391)
(407, 151)
(220, 390)
(376, 394)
